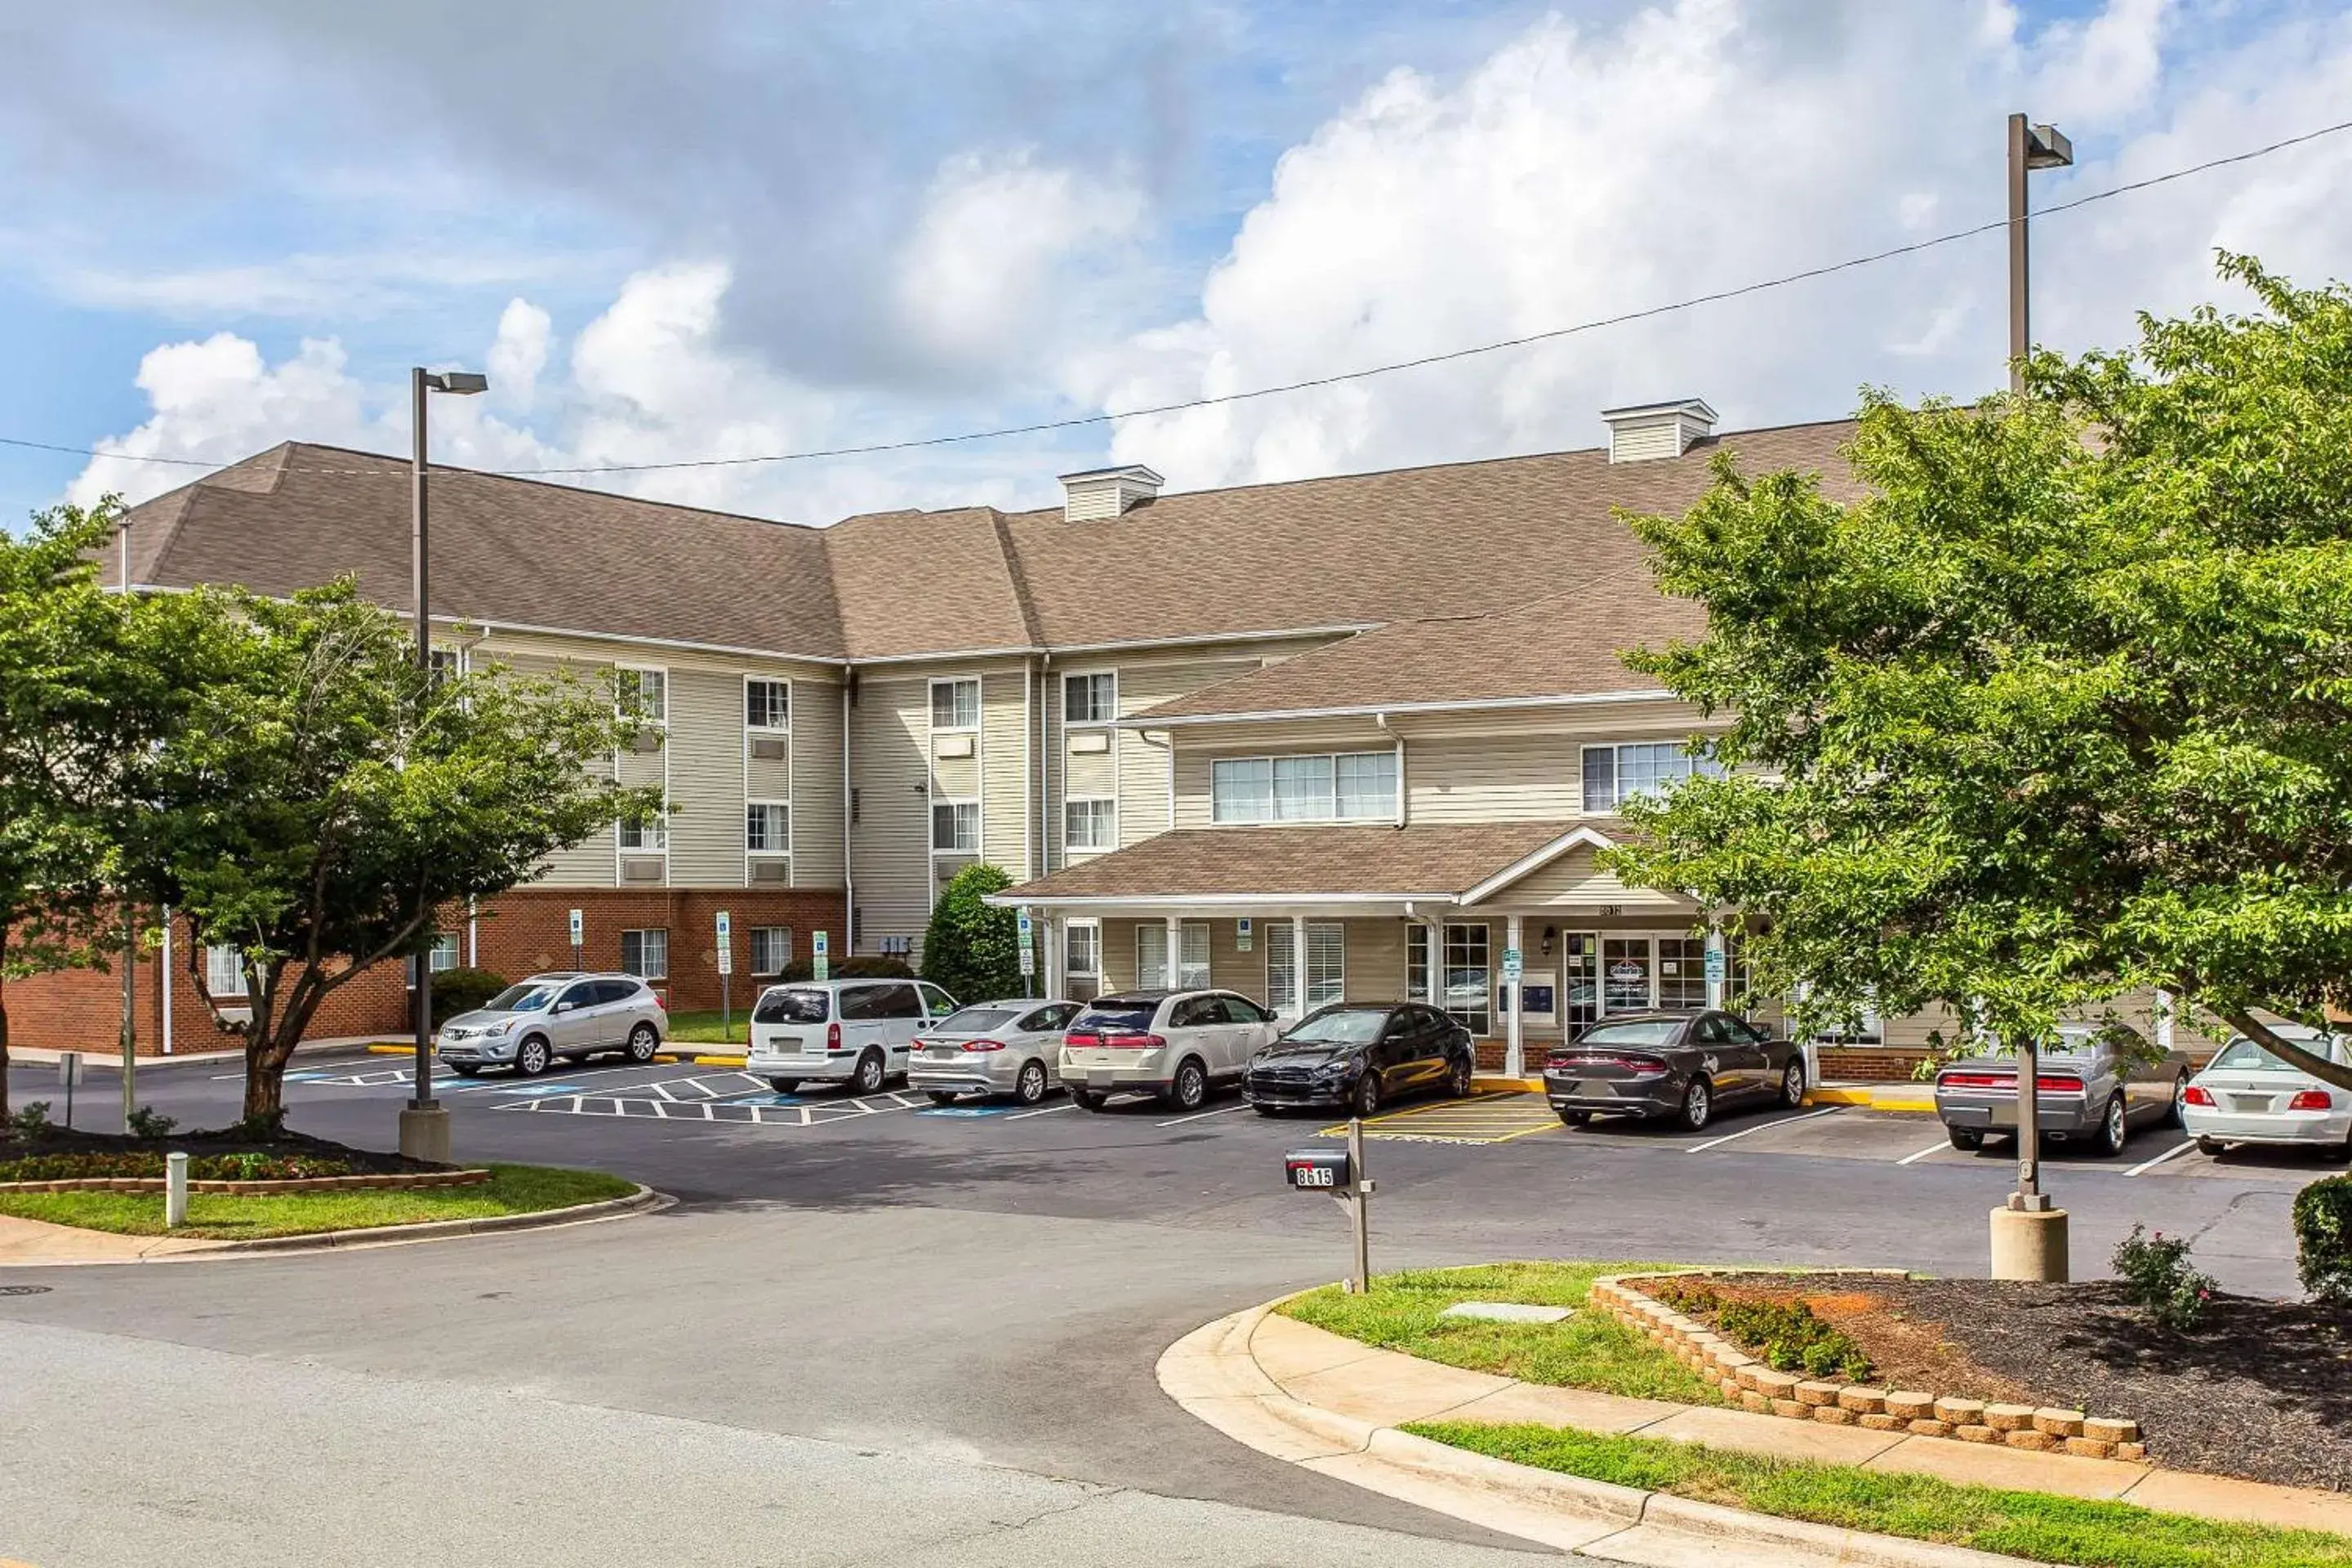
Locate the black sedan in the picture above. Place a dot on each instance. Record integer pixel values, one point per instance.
(1361, 1055)
(1682, 1065)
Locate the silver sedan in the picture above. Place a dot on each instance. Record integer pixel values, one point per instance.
(1010, 1048)
(2249, 1096)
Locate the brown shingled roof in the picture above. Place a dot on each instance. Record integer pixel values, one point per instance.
(1422, 860)
(925, 581)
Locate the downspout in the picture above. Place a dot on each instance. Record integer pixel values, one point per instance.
(848, 795)
(165, 973)
(1028, 776)
(1044, 767)
(1382, 720)
(1167, 744)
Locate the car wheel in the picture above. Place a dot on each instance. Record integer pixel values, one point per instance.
(644, 1041)
(1574, 1118)
(1189, 1087)
(1457, 1081)
(784, 1085)
(943, 1097)
(2211, 1148)
(1029, 1088)
(1087, 1098)
(1365, 1099)
(2178, 1116)
(1792, 1083)
(531, 1057)
(871, 1071)
(1699, 1106)
(1964, 1138)
(2114, 1129)
(467, 1071)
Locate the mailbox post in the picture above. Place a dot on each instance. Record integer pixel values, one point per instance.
(1340, 1174)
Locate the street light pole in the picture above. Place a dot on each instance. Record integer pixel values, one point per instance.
(423, 1121)
(2031, 147)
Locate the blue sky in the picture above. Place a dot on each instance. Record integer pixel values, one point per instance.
(722, 229)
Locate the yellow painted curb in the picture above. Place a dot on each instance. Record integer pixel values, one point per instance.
(704, 1058)
(1875, 1098)
(385, 1049)
(1486, 1083)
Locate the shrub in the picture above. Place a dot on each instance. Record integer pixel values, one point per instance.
(457, 991)
(1788, 1336)
(857, 966)
(2156, 1274)
(29, 1121)
(2322, 1239)
(240, 1167)
(145, 1122)
(973, 951)
(269, 1127)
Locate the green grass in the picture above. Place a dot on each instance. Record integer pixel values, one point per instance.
(512, 1189)
(701, 1028)
(1589, 1349)
(2035, 1525)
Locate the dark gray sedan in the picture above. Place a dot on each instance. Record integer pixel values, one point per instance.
(1683, 1064)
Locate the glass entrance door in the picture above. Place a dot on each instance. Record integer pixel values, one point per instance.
(1580, 997)
(1625, 973)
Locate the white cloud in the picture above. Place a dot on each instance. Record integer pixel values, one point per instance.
(519, 353)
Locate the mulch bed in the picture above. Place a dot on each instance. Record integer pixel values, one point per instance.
(59, 1141)
(2260, 1389)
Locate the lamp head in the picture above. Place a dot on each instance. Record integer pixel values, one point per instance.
(463, 383)
(2046, 147)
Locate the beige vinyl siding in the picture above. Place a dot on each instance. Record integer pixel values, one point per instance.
(1143, 763)
(706, 778)
(1501, 778)
(770, 778)
(816, 786)
(589, 863)
(891, 721)
(1574, 881)
(1118, 955)
(1004, 798)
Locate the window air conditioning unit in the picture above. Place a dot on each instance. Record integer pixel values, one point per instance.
(953, 746)
(771, 747)
(641, 868)
(772, 873)
(647, 739)
(1086, 741)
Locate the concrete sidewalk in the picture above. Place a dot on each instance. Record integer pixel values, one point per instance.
(36, 1243)
(1332, 1404)
(41, 1056)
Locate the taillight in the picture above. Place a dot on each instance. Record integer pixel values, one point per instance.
(1587, 1060)
(1133, 1042)
(833, 1037)
(1978, 1080)
(2312, 1099)
(2058, 1086)
(984, 1045)
(2197, 1094)
(1082, 1037)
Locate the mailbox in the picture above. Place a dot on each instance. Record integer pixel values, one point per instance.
(1319, 1169)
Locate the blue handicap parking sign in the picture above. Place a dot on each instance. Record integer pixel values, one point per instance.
(965, 1111)
(759, 1097)
(535, 1089)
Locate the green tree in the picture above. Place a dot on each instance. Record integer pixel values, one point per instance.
(973, 951)
(2059, 705)
(323, 800)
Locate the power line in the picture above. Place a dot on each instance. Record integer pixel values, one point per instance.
(1448, 356)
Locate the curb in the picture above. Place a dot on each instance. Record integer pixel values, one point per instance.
(1890, 1100)
(720, 1059)
(1215, 1375)
(644, 1198)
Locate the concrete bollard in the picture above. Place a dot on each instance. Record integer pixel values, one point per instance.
(2028, 1245)
(175, 1190)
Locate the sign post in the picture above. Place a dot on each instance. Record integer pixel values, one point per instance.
(579, 930)
(726, 972)
(820, 956)
(1028, 951)
(68, 1075)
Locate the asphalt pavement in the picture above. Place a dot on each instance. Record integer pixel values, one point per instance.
(872, 1330)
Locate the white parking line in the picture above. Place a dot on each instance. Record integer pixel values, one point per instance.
(1042, 1110)
(1930, 1148)
(1201, 1115)
(1760, 1127)
(2181, 1148)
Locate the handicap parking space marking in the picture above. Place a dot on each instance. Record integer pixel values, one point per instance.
(966, 1112)
(763, 1109)
(1043, 1111)
(1760, 1127)
(1494, 1118)
(1201, 1115)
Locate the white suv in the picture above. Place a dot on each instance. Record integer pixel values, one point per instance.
(856, 1032)
(1173, 1044)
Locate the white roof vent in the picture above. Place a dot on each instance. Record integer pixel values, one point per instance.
(1107, 492)
(1657, 429)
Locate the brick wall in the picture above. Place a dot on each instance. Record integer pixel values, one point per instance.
(523, 931)
(1857, 1064)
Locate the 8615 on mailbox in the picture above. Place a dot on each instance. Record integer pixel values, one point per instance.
(1318, 1169)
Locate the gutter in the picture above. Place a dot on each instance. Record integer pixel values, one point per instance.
(1375, 711)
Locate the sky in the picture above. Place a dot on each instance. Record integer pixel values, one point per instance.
(734, 228)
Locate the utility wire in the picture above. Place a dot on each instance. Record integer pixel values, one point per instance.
(1446, 357)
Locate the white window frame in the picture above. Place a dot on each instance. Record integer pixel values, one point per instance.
(633, 677)
(1417, 953)
(958, 806)
(1702, 765)
(653, 835)
(1273, 762)
(768, 851)
(1110, 839)
(783, 729)
(1181, 980)
(1109, 717)
(643, 971)
(1325, 984)
(456, 654)
(1093, 970)
(444, 941)
(782, 938)
(224, 961)
(954, 682)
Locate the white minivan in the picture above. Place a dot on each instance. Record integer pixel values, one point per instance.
(856, 1032)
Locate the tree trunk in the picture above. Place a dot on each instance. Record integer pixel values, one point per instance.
(3, 1024)
(2288, 1051)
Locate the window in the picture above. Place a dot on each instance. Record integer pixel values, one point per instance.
(646, 694)
(867, 1003)
(1866, 1028)
(1082, 960)
(1682, 972)
(448, 664)
(767, 829)
(651, 835)
(1326, 979)
(772, 949)
(955, 704)
(1615, 774)
(768, 704)
(1090, 699)
(955, 826)
(1152, 957)
(444, 954)
(223, 971)
(1469, 980)
(646, 953)
(1090, 824)
(1351, 786)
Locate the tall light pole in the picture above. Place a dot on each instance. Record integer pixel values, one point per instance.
(2031, 147)
(424, 1123)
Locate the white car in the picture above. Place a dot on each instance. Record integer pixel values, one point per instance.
(1013, 1047)
(2245, 1095)
(857, 1032)
(1172, 1043)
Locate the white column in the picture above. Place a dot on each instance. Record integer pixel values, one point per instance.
(1298, 966)
(1048, 934)
(1515, 1060)
(1714, 952)
(2165, 1004)
(1434, 938)
(1175, 951)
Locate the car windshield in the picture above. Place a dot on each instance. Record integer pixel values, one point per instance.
(524, 997)
(1349, 1026)
(2244, 1056)
(1643, 1032)
(1116, 1017)
(975, 1021)
(2066, 1040)
(783, 1006)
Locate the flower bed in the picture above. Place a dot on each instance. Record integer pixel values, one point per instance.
(249, 1166)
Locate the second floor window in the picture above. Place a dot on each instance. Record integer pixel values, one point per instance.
(767, 704)
(1350, 787)
(1615, 774)
(767, 829)
(448, 664)
(1090, 699)
(652, 833)
(955, 826)
(955, 704)
(645, 694)
(1091, 824)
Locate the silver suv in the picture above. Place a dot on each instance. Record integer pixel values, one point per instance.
(533, 1022)
(1172, 1043)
